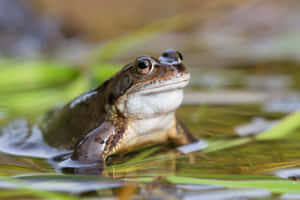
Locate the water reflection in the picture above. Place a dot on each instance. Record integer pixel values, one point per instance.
(234, 194)
(19, 138)
(71, 184)
(284, 104)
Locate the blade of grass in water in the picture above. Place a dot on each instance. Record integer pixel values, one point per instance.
(282, 129)
(277, 186)
(285, 127)
(132, 164)
(217, 145)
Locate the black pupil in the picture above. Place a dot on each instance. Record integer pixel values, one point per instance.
(143, 65)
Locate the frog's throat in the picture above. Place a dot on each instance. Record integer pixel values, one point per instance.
(143, 106)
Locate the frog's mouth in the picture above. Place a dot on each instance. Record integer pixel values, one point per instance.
(177, 83)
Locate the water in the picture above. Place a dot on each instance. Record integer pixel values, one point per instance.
(30, 160)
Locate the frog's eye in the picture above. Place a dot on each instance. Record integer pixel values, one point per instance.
(143, 65)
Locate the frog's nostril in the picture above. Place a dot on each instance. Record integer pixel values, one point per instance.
(171, 56)
(165, 54)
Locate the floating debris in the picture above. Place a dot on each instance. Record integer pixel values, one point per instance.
(257, 125)
(197, 146)
(289, 173)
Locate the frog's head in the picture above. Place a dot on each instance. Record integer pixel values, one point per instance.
(149, 87)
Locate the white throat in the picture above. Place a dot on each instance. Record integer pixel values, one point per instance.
(150, 105)
(150, 125)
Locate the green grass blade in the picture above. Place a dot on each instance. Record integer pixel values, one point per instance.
(285, 127)
(282, 129)
(276, 186)
(132, 163)
(218, 145)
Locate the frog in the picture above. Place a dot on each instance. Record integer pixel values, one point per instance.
(134, 109)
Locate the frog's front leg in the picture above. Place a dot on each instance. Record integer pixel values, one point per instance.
(180, 135)
(92, 147)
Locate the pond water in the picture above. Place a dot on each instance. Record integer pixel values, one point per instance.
(219, 106)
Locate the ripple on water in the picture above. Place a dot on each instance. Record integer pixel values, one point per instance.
(19, 138)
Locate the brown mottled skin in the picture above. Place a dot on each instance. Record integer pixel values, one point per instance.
(96, 127)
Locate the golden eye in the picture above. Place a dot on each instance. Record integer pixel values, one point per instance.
(143, 65)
